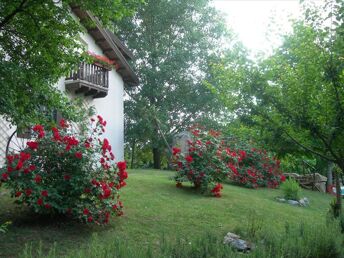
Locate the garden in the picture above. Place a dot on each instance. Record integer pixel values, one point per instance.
(212, 151)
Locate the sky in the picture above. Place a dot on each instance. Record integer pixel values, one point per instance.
(250, 20)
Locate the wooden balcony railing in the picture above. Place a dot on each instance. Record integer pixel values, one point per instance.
(90, 79)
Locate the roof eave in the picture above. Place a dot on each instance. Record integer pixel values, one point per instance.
(104, 40)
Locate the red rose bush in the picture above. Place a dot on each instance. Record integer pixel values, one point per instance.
(204, 164)
(255, 168)
(69, 173)
(212, 159)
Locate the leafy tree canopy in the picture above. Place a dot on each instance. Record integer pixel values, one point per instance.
(297, 93)
(174, 42)
(39, 45)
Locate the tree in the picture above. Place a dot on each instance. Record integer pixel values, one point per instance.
(174, 42)
(297, 93)
(38, 45)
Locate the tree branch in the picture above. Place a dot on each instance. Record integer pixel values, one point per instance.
(307, 148)
(11, 15)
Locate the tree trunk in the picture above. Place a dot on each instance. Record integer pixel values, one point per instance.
(156, 158)
(338, 207)
(132, 154)
(330, 166)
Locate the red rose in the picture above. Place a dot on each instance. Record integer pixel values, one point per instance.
(89, 219)
(63, 123)
(283, 178)
(32, 167)
(78, 155)
(38, 179)
(107, 193)
(19, 165)
(86, 211)
(122, 165)
(28, 192)
(56, 134)
(189, 159)
(10, 159)
(40, 130)
(40, 201)
(87, 145)
(195, 133)
(18, 194)
(123, 175)
(175, 151)
(66, 177)
(23, 156)
(44, 193)
(32, 145)
(106, 145)
(47, 206)
(4, 176)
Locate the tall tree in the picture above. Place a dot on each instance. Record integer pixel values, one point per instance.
(298, 92)
(39, 45)
(173, 43)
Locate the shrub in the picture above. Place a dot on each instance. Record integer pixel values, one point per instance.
(212, 159)
(68, 173)
(291, 189)
(253, 167)
(204, 166)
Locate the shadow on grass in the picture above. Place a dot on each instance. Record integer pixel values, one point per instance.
(29, 228)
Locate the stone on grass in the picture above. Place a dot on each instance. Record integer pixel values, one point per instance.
(237, 243)
(304, 202)
(293, 202)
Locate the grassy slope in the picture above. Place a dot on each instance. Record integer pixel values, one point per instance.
(155, 207)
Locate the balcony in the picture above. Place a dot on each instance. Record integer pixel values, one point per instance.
(90, 80)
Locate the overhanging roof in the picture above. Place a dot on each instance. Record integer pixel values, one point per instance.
(110, 44)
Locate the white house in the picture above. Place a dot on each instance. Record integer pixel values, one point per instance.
(101, 86)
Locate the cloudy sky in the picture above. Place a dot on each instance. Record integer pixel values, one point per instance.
(250, 20)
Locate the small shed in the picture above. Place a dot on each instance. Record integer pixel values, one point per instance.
(181, 139)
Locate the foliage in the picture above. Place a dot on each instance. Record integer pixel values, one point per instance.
(302, 240)
(4, 227)
(174, 42)
(66, 172)
(38, 46)
(211, 159)
(291, 189)
(296, 93)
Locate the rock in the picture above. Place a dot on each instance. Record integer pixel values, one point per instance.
(281, 199)
(293, 202)
(239, 244)
(304, 202)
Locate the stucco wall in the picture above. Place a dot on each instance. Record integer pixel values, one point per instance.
(110, 107)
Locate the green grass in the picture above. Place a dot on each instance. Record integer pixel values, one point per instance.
(154, 207)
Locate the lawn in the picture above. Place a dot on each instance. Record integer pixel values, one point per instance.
(154, 207)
